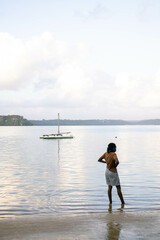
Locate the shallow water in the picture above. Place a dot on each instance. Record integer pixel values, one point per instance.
(62, 176)
(115, 226)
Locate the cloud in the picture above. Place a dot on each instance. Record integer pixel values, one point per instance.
(145, 8)
(99, 11)
(44, 75)
(12, 62)
(43, 63)
(139, 91)
(43, 72)
(22, 62)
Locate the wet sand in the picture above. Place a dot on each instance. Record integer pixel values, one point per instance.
(108, 226)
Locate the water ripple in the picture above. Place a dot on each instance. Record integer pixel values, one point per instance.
(40, 176)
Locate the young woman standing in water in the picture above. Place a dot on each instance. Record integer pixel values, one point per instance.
(111, 174)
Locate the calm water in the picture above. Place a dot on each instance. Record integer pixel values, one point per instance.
(63, 176)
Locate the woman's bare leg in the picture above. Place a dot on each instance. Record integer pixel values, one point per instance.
(110, 193)
(120, 194)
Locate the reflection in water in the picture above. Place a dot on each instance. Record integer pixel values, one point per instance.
(113, 231)
(119, 209)
(58, 146)
(58, 149)
(40, 176)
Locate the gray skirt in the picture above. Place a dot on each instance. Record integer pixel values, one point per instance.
(112, 178)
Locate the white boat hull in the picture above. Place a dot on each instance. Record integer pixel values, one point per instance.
(56, 136)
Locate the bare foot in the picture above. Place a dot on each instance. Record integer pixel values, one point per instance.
(122, 205)
(110, 207)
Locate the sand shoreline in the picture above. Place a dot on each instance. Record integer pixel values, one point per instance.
(107, 225)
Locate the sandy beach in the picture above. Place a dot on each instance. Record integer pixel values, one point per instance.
(109, 225)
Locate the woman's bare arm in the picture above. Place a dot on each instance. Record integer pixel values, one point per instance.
(102, 159)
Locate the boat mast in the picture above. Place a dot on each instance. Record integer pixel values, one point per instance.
(58, 124)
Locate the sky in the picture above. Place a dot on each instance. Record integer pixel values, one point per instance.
(86, 59)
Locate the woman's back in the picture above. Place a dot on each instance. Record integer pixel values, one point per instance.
(110, 160)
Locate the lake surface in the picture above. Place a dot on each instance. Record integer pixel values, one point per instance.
(40, 176)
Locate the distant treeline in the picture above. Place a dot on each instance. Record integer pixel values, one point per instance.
(14, 120)
(67, 122)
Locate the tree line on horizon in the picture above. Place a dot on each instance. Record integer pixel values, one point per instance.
(16, 120)
(93, 122)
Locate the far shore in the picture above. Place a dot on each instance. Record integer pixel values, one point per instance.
(106, 225)
(17, 120)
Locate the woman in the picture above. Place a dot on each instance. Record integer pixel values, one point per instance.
(112, 178)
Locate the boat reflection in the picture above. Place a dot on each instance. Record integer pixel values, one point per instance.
(58, 150)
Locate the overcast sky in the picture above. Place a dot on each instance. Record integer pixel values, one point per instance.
(87, 59)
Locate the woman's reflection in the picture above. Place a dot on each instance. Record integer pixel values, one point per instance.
(113, 231)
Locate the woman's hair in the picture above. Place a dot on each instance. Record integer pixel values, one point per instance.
(111, 147)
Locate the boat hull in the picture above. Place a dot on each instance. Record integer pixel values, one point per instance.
(56, 136)
(45, 137)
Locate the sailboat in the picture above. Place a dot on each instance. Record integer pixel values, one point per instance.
(58, 135)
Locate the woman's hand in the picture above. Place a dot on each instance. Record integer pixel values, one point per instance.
(101, 160)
